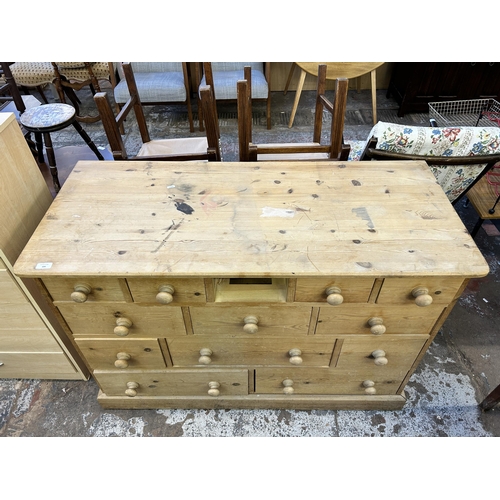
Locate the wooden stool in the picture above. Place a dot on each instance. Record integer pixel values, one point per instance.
(483, 198)
(49, 118)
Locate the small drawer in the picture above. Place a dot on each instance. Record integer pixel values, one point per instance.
(334, 290)
(377, 319)
(420, 291)
(250, 320)
(369, 355)
(175, 382)
(167, 290)
(36, 365)
(206, 351)
(123, 320)
(304, 381)
(121, 354)
(87, 289)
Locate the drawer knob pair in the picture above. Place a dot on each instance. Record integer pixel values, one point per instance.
(334, 296)
(422, 297)
(122, 359)
(377, 326)
(380, 359)
(288, 386)
(165, 294)
(122, 327)
(81, 292)
(251, 324)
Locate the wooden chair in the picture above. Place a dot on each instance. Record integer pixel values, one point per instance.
(250, 151)
(158, 83)
(223, 77)
(205, 148)
(458, 157)
(9, 91)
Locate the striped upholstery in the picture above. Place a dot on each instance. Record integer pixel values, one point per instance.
(156, 82)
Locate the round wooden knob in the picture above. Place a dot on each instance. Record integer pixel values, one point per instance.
(213, 389)
(122, 327)
(122, 359)
(295, 358)
(165, 294)
(81, 292)
(251, 324)
(287, 384)
(376, 326)
(131, 389)
(422, 297)
(205, 358)
(333, 296)
(380, 358)
(369, 387)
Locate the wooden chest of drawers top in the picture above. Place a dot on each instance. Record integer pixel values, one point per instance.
(281, 219)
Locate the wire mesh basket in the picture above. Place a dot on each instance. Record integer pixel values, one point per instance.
(472, 113)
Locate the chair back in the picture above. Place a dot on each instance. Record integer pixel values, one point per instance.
(112, 125)
(250, 151)
(457, 156)
(8, 88)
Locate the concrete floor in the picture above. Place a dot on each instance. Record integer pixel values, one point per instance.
(457, 372)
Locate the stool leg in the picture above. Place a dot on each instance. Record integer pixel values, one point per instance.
(479, 223)
(88, 140)
(39, 147)
(52, 161)
(491, 399)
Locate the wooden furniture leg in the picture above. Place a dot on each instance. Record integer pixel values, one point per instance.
(491, 399)
(373, 75)
(51, 158)
(300, 85)
(290, 74)
(88, 140)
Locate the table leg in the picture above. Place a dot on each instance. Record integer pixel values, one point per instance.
(374, 95)
(290, 74)
(87, 140)
(297, 97)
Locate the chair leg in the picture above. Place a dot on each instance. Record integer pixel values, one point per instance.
(478, 225)
(52, 161)
(297, 97)
(491, 399)
(289, 79)
(88, 140)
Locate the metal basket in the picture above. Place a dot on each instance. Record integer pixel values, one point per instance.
(472, 113)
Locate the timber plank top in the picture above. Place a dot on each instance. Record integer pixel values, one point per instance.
(281, 219)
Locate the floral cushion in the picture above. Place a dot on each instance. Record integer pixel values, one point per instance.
(435, 141)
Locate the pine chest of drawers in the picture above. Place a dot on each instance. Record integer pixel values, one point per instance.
(252, 285)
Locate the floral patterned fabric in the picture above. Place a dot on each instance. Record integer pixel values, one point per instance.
(435, 141)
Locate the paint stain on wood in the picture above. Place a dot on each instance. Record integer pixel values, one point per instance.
(183, 207)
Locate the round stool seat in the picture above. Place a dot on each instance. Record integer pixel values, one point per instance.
(48, 117)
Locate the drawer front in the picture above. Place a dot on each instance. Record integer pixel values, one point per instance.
(303, 381)
(35, 365)
(184, 290)
(123, 320)
(441, 290)
(351, 289)
(175, 382)
(280, 321)
(87, 289)
(377, 319)
(254, 351)
(122, 354)
(372, 355)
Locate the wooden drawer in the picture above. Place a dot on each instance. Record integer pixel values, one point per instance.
(185, 290)
(36, 365)
(370, 355)
(442, 290)
(304, 381)
(122, 354)
(374, 318)
(27, 340)
(250, 320)
(123, 320)
(351, 289)
(101, 289)
(250, 351)
(174, 382)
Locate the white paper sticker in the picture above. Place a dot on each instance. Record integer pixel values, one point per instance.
(277, 212)
(43, 265)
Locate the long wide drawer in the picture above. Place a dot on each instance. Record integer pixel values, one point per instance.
(174, 382)
(250, 320)
(201, 350)
(36, 365)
